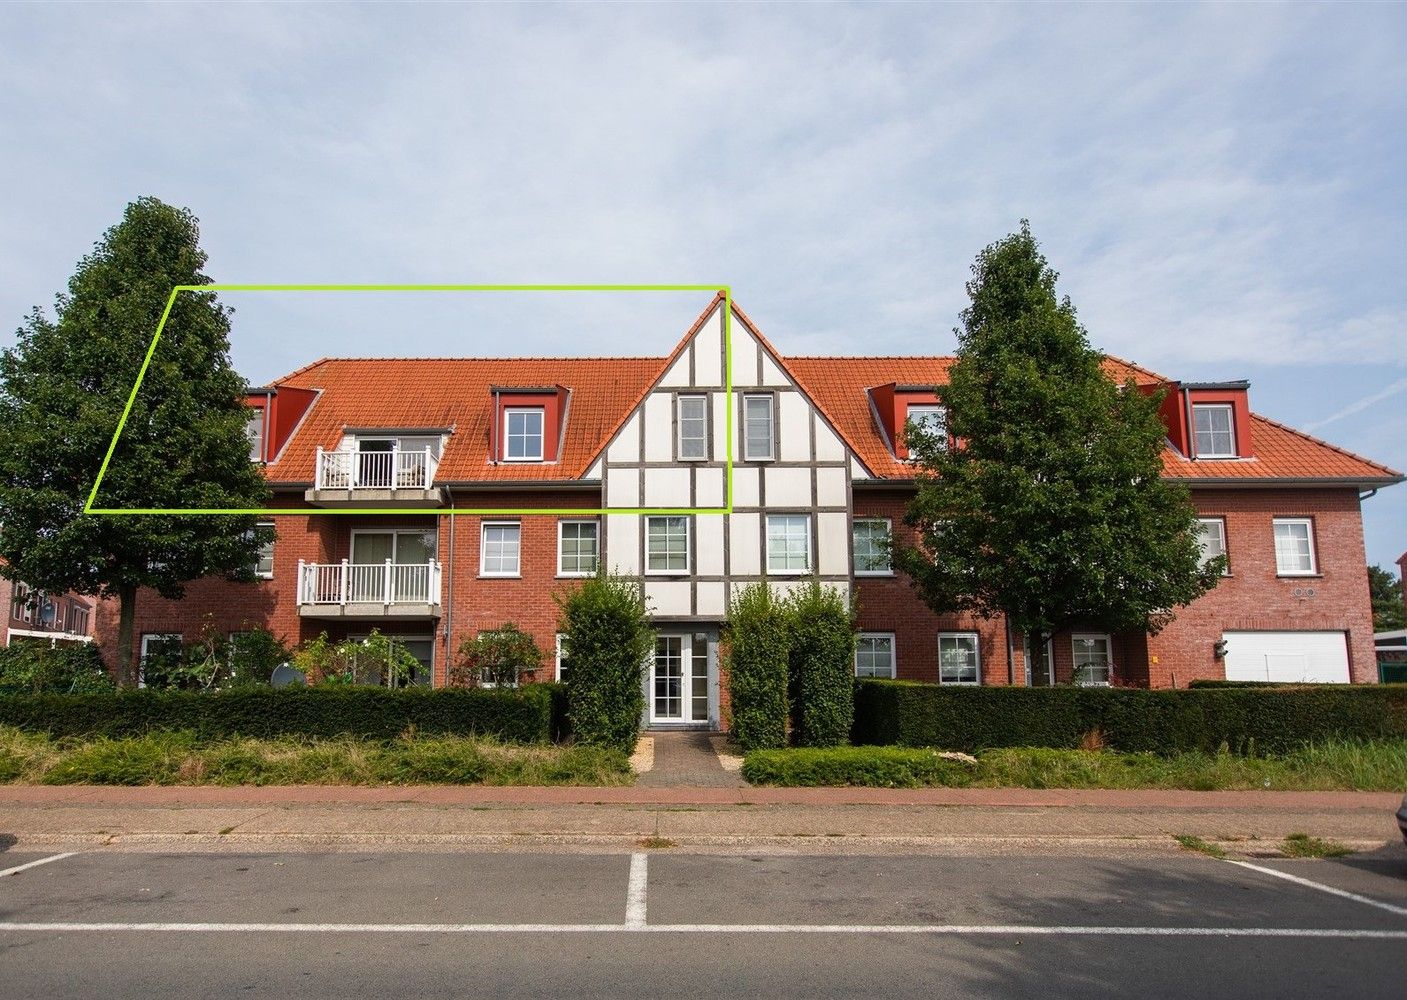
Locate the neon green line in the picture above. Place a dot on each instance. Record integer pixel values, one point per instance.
(728, 393)
(131, 399)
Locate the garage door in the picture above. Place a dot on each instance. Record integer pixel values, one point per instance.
(1318, 657)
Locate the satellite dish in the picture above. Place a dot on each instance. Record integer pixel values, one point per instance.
(285, 676)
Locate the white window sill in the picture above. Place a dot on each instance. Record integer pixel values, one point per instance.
(575, 576)
(788, 572)
(500, 576)
(523, 461)
(760, 461)
(874, 572)
(263, 576)
(666, 572)
(1299, 576)
(959, 684)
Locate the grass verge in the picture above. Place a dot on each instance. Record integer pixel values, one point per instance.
(177, 758)
(1332, 766)
(1191, 843)
(1302, 845)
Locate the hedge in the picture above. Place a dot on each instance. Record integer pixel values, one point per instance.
(521, 715)
(1245, 720)
(870, 767)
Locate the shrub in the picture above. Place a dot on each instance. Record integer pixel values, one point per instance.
(757, 667)
(876, 767)
(607, 636)
(821, 659)
(1240, 719)
(38, 668)
(522, 715)
(376, 661)
(499, 656)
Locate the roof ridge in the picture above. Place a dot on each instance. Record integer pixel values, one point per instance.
(1320, 441)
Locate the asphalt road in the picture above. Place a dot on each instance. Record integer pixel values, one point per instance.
(111, 924)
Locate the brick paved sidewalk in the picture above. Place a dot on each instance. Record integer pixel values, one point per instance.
(686, 760)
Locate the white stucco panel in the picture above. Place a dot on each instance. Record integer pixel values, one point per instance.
(857, 471)
(829, 447)
(832, 485)
(623, 487)
(744, 545)
(745, 485)
(718, 416)
(745, 346)
(622, 553)
(833, 544)
(667, 487)
(708, 488)
(668, 597)
(659, 427)
(708, 351)
(772, 375)
(712, 600)
(595, 471)
(794, 427)
(790, 488)
(677, 374)
(708, 544)
(626, 446)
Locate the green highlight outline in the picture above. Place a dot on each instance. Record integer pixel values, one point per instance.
(725, 290)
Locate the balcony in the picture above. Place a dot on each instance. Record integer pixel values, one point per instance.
(369, 590)
(389, 478)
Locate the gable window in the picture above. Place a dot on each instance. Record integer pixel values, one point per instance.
(498, 553)
(577, 548)
(1211, 533)
(1294, 546)
(667, 544)
(691, 415)
(264, 562)
(788, 543)
(254, 430)
(871, 537)
(1091, 660)
(757, 428)
(959, 658)
(874, 655)
(930, 418)
(1216, 435)
(522, 440)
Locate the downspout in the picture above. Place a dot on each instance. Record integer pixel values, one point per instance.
(1369, 495)
(449, 590)
(1010, 658)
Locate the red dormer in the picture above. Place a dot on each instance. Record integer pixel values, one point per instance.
(276, 413)
(895, 405)
(1208, 421)
(528, 423)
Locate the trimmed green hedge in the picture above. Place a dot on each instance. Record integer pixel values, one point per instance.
(1244, 719)
(870, 767)
(521, 715)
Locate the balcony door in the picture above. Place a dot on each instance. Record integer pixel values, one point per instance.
(410, 553)
(679, 680)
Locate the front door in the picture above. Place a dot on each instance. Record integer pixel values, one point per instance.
(679, 680)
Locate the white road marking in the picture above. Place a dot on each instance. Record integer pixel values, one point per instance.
(35, 864)
(1029, 930)
(1401, 911)
(635, 891)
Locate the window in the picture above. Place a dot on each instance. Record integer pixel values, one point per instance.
(577, 548)
(254, 430)
(1294, 546)
(264, 562)
(757, 428)
(1090, 660)
(788, 543)
(561, 668)
(959, 658)
(874, 655)
(692, 416)
(929, 418)
(1211, 532)
(871, 536)
(522, 441)
(667, 544)
(1216, 437)
(499, 552)
(21, 608)
(78, 621)
(158, 645)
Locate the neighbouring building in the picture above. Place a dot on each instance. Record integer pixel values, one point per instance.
(32, 615)
(820, 479)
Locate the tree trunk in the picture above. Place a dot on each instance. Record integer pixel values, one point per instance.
(126, 619)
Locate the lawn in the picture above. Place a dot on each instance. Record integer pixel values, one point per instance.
(178, 758)
(1356, 766)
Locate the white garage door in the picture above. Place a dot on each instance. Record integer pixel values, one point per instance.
(1314, 657)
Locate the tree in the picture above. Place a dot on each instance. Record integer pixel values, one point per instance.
(496, 656)
(606, 639)
(1042, 498)
(62, 392)
(1389, 613)
(758, 642)
(821, 660)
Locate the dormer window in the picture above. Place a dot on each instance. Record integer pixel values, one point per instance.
(930, 419)
(1215, 426)
(254, 430)
(522, 440)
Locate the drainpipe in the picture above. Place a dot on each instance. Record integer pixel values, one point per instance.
(1010, 659)
(448, 616)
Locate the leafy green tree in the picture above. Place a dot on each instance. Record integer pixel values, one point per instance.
(1389, 613)
(758, 640)
(606, 636)
(496, 656)
(1042, 498)
(821, 659)
(62, 391)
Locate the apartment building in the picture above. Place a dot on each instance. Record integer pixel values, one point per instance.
(618, 461)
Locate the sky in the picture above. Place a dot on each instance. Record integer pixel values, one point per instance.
(1222, 188)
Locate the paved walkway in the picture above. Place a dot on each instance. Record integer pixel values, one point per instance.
(686, 760)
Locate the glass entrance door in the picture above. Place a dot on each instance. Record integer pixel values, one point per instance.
(679, 680)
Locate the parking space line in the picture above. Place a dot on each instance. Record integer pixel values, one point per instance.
(635, 891)
(1401, 911)
(923, 929)
(35, 864)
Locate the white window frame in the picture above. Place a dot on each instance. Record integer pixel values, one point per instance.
(771, 400)
(650, 522)
(79, 615)
(266, 551)
(484, 527)
(1308, 523)
(558, 647)
(1075, 641)
(788, 570)
(934, 409)
(1220, 523)
(679, 419)
(888, 569)
(976, 651)
(1230, 410)
(508, 414)
(254, 430)
(562, 571)
(893, 654)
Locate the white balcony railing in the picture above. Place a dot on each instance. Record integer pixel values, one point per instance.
(376, 470)
(384, 583)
